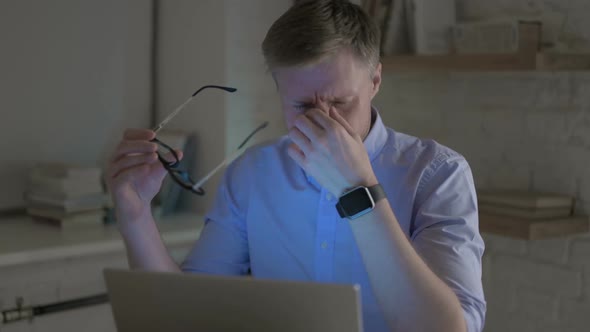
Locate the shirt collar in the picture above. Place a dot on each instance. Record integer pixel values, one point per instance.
(374, 142)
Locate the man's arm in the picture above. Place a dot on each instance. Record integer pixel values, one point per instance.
(222, 247)
(415, 293)
(145, 248)
(134, 177)
(433, 281)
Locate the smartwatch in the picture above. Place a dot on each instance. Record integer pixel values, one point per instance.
(359, 201)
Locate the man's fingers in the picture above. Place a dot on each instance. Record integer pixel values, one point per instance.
(131, 161)
(338, 118)
(321, 118)
(170, 157)
(300, 139)
(134, 147)
(296, 154)
(308, 127)
(139, 134)
(130, 173)
(179, 153)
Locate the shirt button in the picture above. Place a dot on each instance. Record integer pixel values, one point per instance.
(324, 245)
(329, 196)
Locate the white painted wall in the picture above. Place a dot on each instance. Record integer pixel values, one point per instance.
(74, 73)
(257, 99)
(191, 50)
(217, 42)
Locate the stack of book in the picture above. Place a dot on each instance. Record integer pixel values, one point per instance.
(524, 204)
(66, 195)
(528, 214)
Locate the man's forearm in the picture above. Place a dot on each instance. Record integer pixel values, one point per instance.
(145, 248)
(412, 297)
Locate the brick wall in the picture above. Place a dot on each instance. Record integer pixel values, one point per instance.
(522, 131)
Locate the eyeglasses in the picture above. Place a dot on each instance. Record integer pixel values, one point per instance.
(180, 176)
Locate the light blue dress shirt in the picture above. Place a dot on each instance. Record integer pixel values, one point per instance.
(272, 219)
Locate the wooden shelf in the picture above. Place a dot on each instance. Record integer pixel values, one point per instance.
(526, 58)
(533, 229)
(487, 62)
(554, 61)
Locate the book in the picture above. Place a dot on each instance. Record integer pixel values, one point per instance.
(370, 7)
(525, 213)
(85, 217)
(82, 203)
(381, 14)
(533, 229)
(394, 33)
(62, 181)
(429, 25)
(74, 221)
(65, 170)
(525, 199)
(64, 188)
(499, 36)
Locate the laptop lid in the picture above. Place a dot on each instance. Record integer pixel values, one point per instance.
(157, 301)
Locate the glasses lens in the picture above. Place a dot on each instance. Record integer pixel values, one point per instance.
(181, 177)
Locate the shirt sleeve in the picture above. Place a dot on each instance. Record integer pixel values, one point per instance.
(222, 247)
(446, 233)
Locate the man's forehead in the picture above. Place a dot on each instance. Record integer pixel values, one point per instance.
(318, 76)
(312, 84)
(311, 93)
(340, 74)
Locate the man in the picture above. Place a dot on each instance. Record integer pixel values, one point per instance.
(416, 253)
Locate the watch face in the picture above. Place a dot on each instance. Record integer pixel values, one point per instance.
(357, 201)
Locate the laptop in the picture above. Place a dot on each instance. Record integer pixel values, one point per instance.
(171, 302)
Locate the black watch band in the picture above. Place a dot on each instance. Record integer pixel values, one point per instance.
(359, 201)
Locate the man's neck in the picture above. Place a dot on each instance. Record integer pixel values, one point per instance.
(373, 118)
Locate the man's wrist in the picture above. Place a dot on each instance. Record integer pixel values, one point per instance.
(369, 182)
(131, 226)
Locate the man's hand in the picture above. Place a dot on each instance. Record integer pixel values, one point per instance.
(135, 176)
(328, 149)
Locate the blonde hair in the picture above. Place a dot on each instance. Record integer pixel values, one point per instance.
(312, 30)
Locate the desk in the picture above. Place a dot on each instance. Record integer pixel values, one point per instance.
(43, 265)
(23, 241)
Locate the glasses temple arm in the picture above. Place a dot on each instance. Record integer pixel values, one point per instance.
(171, 115)
(226, 161)
(230, 158)
(179, 108)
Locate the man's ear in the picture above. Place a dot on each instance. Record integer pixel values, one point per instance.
(274, 78)
(376, 80)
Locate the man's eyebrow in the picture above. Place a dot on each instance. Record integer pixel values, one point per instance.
(301, 102)
(312, 102)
